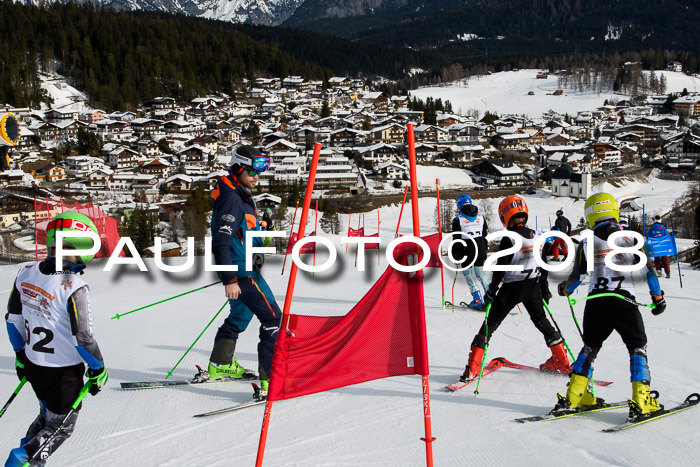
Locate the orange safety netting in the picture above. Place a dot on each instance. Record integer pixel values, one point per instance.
(47, 209)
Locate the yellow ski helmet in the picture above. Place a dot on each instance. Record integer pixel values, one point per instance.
(601, 206)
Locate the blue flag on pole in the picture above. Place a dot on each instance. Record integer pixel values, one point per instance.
(661, 246)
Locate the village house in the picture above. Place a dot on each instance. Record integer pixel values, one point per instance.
(81, 166)
(51, 173)
(501, 172)
(687, 105)
(389, 134)
(158, 167)
(178, 183)
(112, 129)
(391, 170)
(379, 152)
(609, 153)
(195, 154)
(146, 147)
(98, 177)
(121, 158)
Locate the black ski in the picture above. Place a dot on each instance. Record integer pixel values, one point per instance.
(230, 409)
(559, 414)
(258, 399)
(689, 402)
(201, 377)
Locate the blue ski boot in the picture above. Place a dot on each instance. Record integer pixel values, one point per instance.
(478, 302)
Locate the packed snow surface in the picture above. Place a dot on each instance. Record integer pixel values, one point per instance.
(507, 93)
(378, 422)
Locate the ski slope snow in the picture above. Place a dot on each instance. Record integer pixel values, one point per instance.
(375, 423)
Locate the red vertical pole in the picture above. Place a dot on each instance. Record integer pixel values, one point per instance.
(378, 237)
(416, 232)
(315, 229)
(290, 237)
(290, 292)
(36, 245)
(349, 221)
(442, 271)
(403, 203)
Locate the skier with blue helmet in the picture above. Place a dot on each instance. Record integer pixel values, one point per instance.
(473, 226)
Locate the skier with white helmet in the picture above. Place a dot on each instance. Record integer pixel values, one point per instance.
(233, 217)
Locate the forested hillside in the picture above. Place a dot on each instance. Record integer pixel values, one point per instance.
(123, 58)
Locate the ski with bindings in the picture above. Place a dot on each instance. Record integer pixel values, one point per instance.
(689, 402)
(564, 413)
(230, 409)
(202, 377)
(517, 366)
(257, 400)
(492, 366)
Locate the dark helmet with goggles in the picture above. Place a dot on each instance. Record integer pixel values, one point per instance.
(250, 159)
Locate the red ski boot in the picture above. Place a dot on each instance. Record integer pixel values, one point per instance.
(476, 355)
(558, 361)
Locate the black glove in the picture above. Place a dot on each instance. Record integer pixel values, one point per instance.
(258, 261)
(98, 378)
(561, 290)
(489, 296)
(546, 294)
(660, 303)
(20, 359)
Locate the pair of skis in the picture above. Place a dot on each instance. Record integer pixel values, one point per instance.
(201, 377)
(497, 363)
(689, 402)
(501, 362)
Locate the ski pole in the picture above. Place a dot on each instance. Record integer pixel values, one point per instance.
(573, 315)
(12, 397)
(117, 316)
(453, 291)
(678, 260)
(486, 347)
(74, 408)
(170, 373)
(558, 330)
(610, 294)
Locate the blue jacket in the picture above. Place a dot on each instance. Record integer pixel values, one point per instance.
(234, 215)
(657, 230)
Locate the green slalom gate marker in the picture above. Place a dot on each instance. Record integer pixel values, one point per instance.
(117, 316)
(170, 373)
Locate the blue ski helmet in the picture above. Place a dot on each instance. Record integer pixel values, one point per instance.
(462, 200)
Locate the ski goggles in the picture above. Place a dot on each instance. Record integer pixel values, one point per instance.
(469, 210)
(260, 164)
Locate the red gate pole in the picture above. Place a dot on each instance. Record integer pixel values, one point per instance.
(290, 237)
(416, 232)
(378, 237)
(442, 271)
(403, 203)
(316, 233)
(290, 292)
(349, 221)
